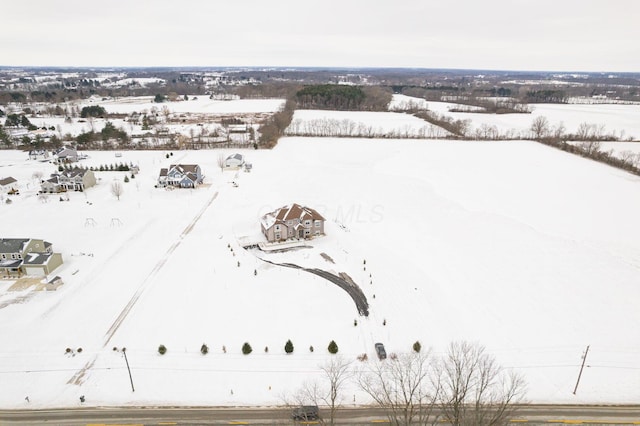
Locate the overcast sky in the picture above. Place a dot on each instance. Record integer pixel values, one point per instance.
(562, 35)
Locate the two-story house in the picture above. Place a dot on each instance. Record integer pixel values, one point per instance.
(292, 221)
(181, 176)
(69, 180)
(27, 256)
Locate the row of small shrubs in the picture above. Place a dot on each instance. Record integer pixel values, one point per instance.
(247, 349)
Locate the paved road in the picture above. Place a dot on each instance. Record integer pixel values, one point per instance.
(531, 415)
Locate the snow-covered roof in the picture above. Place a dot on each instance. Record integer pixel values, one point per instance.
(290, 212)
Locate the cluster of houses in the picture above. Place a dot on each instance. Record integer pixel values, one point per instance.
(190, 175)
(27, 256)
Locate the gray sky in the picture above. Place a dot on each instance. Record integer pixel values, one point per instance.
(566, 35)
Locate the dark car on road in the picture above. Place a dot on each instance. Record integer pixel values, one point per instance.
(306, 412)
(382, 354)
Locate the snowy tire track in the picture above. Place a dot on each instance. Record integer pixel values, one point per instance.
(80, 376)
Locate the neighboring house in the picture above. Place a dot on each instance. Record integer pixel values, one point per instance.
(27, 256)
(41, 154)
(181, 176)
(234, 161)
(292, 221)
(66, 155)
(7, 184)
(69, 180)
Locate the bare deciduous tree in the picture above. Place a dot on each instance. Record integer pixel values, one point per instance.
(327, 391)
(37, 176)
(403, 386)
(117, 189)
(474, 390)
(540, 127)
(220, 160)
(337, 372)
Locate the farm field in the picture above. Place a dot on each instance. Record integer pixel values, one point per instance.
(532, 252)
(621, 119)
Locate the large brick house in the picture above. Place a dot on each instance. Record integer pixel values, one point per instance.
(292, 221)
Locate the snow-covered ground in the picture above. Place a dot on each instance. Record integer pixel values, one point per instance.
(624, 120)
(530, 251)
(361, 123)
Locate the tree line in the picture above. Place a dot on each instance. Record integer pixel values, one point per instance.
(464, 386)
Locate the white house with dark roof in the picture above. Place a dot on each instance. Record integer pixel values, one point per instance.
(8, 184)
(27, 256)
(292, 221)
(66, 155)
(234, 161)
(181, 176)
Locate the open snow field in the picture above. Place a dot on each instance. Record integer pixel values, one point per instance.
(361, 123)
(624, 120)
(530, 251)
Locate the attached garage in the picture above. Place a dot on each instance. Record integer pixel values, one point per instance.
(41, 264)
(37, 271)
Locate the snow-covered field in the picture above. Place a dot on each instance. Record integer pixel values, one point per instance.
(361, 123)
(530, 251)
(624, 120)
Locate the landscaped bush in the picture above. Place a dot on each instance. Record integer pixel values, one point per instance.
(79, 350)
(417, 346)
(333, 347)
(288, 347)
(162, 349)
(204, 349)
(310, 348)
(246, 348)
(67, 350)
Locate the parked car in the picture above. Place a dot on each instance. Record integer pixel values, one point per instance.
(306, 412)
(382, 354)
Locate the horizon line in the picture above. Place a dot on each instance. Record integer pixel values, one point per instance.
(305, 67)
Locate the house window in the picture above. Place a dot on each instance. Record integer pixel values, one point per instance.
(317, 232)
(277, 227)
(289, 222)
(317, 224)
(307, 223)
(4, 256)
(278, 236)
(306, 232)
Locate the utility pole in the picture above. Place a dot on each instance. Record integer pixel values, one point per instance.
(584, 359)
(124, 352)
